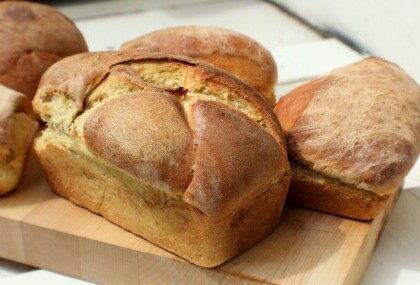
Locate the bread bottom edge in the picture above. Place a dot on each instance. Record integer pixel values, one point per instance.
(336, 199)
(167, 222)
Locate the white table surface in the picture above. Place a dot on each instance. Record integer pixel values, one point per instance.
(301, 54)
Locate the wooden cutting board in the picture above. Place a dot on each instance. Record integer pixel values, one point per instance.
(41, 229)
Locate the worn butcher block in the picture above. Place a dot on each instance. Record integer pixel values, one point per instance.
(41, 229)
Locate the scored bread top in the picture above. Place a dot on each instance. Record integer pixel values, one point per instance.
(33, 36)
(173, 122)
(11, 102)
(360, 124)
(155, 141)
(226, 49)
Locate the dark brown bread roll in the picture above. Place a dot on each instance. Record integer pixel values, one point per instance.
(33, 36)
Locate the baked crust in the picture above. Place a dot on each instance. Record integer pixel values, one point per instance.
(315, 191)
(33, 37)
(157, 216)
(188, 145)
(334, 199)
(360, 125)
(235, 159)
(73, 79)
(132, 132)
(226, 49)
(17, 129)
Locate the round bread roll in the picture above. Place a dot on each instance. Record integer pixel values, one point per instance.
(226, 49)
(168, 147)
(33, 36)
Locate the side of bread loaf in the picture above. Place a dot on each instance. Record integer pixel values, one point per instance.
(352, 137)
(226, 49)
(33, 37)
(170, 148)
(17, 130)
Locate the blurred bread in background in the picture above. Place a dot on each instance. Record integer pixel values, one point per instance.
(33, 36)
(226, 49)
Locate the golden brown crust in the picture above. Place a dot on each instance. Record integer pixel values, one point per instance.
(147, 135)
(313, 190)
(33, 37)
(336, 199)
(290, 108)
(229, 148)
(362, 126)
(357, 128)
(165, 146)
(17, 129)
(74, 78)
(226, 49)
(167, 222)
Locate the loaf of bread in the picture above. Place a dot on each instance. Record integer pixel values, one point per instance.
(168, 147)
(352, 136)
(17, 130)
(226, 49)
(33, 36)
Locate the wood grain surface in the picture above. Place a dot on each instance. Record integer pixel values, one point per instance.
(39, 228)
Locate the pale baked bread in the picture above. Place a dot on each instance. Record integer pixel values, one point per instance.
(226, 49)
(33, 36)
(169, 148)
(17, 129)
(352, 136)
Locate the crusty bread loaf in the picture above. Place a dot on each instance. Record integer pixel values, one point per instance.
(17, 129)
(226, 49)
(168, 147)
(33, 36)
(352, 136)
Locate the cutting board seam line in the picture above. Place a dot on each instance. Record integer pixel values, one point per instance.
(79, 263)
(22, 236)
(246, 277)
(24, 223)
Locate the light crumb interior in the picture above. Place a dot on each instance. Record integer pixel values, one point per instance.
(59, 111)
(177, 75)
